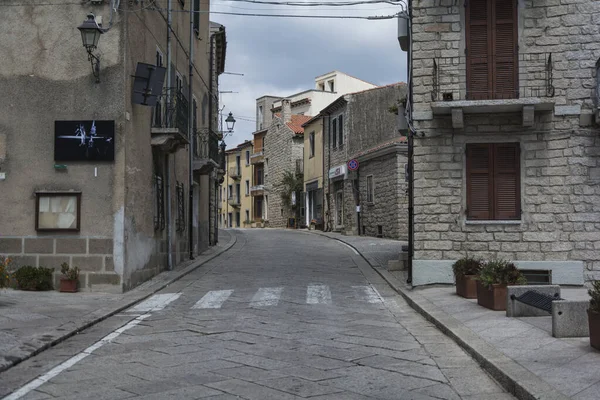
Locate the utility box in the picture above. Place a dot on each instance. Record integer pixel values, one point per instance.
(403, 34)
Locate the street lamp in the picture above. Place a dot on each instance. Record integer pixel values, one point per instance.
(90, 35)
(230, 121)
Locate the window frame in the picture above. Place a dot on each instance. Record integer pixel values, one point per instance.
(76, 195)
(247, 157)
(311, 144)
(370, 189)
(247, 187)
(493, 181)
(333, 127)
(340, 119)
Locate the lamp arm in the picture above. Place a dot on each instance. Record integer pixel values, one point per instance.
(95, 61)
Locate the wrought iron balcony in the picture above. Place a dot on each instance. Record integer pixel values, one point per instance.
(234, 201)
(170, 116)
(206, 150)
(235, 172)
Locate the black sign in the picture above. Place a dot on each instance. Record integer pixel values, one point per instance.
(84, 140)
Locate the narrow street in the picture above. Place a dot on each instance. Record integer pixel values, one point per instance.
(281, 315)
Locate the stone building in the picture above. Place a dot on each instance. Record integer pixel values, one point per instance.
(371, 200)
(283, 147)
(507, 143)
(87, 175)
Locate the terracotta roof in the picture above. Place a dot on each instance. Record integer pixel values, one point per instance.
(398, 140)
(296, 123)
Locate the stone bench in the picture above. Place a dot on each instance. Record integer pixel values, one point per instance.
(569, 318)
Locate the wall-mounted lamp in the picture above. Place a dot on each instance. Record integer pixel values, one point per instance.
(230, 121)
(90, 35)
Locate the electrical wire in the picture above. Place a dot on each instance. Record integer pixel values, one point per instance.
(371, 18)
(319, 3)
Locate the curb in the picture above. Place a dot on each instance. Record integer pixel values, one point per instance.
(515, 379)
(191, 267)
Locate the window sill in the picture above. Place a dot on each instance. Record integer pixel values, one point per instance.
(493, 222)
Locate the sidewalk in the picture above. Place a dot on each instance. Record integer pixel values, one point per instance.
(520, 353)
(31, 322)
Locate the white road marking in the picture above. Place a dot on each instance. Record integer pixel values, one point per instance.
(213, 299)
(36, 383)
(369, 293)
(266, 297)
(350, 247)
(318, 294)
(155, 303)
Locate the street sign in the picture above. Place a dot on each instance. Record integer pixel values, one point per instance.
(352, 165)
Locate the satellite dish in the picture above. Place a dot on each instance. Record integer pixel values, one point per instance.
(148, 84)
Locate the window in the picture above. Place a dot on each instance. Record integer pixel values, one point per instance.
(260, 117)
(229, 190)
(259, 178)
(493, 182)
(159, 201)
(258, 208)
(247, 216)
(331, 86)
(492, 71)
(311, 141)
(58, 211)
(180, 199)
(341, 129)
(370, 189)
(247, 187)
(197, 17)
(247, 157)
(230, 218)
(237, 164)
(178, 82)
(159, 104)
(334, 132)
(237, 219)
(195, 146)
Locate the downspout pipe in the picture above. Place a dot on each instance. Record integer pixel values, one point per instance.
(411, 163)
(191, 134)
(167, 157)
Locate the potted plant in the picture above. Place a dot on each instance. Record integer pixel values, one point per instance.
(4, 274)
(465, 272)
(594, 315)
(492, 280)
(71, 277)
(34, 278)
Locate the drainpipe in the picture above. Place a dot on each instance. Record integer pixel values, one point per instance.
(211, 115)
(190, 135)
(411, 217)
(167, 157)
(328, 228)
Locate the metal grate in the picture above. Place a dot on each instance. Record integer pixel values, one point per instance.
(159, 209)
(537, 300)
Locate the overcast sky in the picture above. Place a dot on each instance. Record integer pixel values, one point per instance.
(282, 56)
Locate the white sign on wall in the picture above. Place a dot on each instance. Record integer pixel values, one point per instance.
(337, 172)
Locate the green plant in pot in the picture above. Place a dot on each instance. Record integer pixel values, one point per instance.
(594, 315)
(465, 273)
(68, 283)
(492, 280)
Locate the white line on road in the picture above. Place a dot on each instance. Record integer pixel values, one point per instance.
(369, 293)
(318, 294)
(155, 303)
(213, 299)
(266, 297)
(36, 383)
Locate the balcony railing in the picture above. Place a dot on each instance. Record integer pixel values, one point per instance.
(257, 190)
(234, 201)
(207, 146)
(235, 172)
(469, 78)
(171, 112)
(257, 158)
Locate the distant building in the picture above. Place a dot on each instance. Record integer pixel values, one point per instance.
(313, 172)
(234, 193)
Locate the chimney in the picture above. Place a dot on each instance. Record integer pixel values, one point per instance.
(286, 110)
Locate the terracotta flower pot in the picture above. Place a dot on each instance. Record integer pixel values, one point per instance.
(466, 286)
(68, 285)
(493, 297)
(594, 321)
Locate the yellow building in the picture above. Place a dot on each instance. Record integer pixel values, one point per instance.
(313, 171)
(234, 194)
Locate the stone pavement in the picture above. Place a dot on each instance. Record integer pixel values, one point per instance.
(519, 352)
(31, 322)
(282, 315)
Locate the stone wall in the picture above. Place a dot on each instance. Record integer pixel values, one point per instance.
(389, 208)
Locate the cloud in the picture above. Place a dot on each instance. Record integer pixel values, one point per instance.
(282, 56)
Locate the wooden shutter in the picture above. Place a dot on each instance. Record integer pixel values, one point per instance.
(507, 198)
(479, 45)
(334, 132)
(479, 181)
(341, 129)
(505, 71)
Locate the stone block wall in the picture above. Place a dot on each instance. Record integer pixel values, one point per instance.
(389, 208)
(93, 255)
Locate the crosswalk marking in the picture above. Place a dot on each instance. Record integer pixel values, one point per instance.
(318, 294)
(213, 299)
(155, 303)
(369, 293)
(266, 297)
